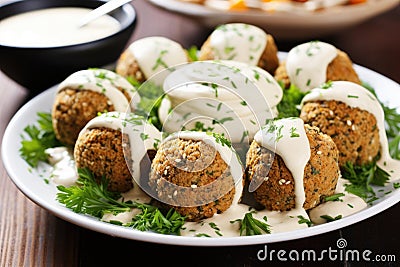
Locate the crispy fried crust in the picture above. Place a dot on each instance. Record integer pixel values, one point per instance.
(191, 164)
(100, 150)
(354, 131)
(277, 191)
(340, 69)
(72, 109)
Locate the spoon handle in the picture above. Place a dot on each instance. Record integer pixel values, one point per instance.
(102, 10)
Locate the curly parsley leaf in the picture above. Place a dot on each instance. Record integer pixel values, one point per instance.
(152, 219)
(252, 226)
(92, 197)
(288, 106)
(392, 117)
(37, 138)
(151, 96)
(362, 177)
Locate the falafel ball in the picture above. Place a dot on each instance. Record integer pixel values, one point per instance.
(339, 69)
(84, 94)
(107, 147)
(191, 176)
(100, 150)
(244, 43)
(354, 131)
(277, 190)
(147, 56)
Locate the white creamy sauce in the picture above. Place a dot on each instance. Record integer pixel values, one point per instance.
(105, 82)
(230, 97)
(155, 54)
(345, 206)
(52, 27)
(283, 137)
(238, 41)
(356, 95)
(306, 64)
(142, 135)
(64, 169)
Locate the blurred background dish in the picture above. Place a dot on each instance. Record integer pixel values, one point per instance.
(284, 22)
(38, 65)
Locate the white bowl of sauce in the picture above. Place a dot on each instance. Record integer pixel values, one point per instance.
(41, 42)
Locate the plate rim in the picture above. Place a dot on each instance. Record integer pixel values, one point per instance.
(133, 234)
(373, 6)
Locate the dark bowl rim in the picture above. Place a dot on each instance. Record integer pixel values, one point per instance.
(126, 8)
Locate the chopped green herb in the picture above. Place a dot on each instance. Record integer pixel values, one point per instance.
(193, 52)
(251, 226)
(199, 127)
(335, 197)
(202, 235)
(304, 220)
(396, 185)
(293, 132)
(216, 228)
(326, 85)
(330, 218)
(352, 96)
(220, 139)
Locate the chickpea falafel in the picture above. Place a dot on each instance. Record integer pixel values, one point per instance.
(82, 95)
(192, 176)
(277, 184)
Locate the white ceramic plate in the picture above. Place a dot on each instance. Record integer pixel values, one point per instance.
(284, 25)
(31, 181)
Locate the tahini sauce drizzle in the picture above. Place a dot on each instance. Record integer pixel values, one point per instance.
(239, 96)
(53, 27)
(284, 145)
(105, 82)
(238, 41)
(306, 64)
(356, 95)
(155, 54)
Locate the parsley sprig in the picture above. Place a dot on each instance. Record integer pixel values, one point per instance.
(151, 96)
(362, 177)
(392, 124)
(37, 138)
(93, 198)
(288, 106)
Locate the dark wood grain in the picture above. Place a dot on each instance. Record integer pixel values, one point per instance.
(31, 236)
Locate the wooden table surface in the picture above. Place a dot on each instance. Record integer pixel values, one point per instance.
(31, 236)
